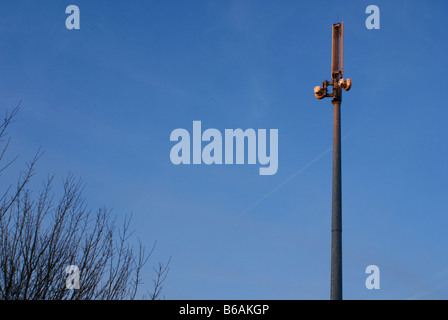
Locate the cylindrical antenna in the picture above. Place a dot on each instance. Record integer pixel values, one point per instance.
(335, 70)
(342, 49)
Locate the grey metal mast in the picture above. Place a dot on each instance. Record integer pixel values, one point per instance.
(337, 83)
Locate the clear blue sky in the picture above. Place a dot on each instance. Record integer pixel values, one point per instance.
(103, 100)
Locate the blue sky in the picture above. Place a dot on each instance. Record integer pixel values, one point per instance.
(103, 100)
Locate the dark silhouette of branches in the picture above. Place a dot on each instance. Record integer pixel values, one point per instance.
(161, 272)
(40, 236)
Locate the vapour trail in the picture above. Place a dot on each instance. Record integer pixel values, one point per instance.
(295, 174)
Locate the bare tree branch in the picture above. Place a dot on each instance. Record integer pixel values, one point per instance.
(40, 236)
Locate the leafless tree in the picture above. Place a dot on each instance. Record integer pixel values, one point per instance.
(41, 235)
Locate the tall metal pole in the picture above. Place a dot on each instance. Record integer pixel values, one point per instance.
(336, 200)
(338, 83)
(336, 207)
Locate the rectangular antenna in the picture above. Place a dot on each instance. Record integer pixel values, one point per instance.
(342, 49)
(337, 51)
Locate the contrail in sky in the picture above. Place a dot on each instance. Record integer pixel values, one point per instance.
(295, 174)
